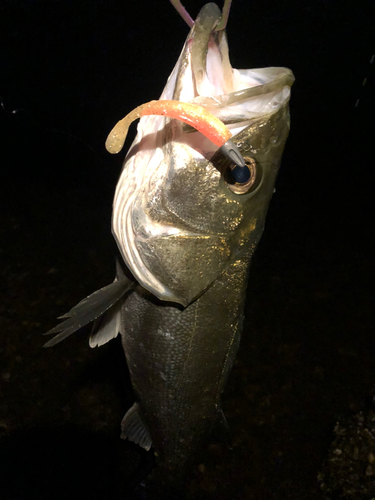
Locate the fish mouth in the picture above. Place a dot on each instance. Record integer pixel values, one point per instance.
(203, 68)
(202, 75)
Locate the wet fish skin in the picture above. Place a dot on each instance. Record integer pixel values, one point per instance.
(188, 239)
(179, 358)
(176, 223)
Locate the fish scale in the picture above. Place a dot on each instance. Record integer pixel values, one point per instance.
(188, 367)
(186, 233)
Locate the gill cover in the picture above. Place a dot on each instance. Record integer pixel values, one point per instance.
(176, 222)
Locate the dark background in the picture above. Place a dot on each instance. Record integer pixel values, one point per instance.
(68, 71)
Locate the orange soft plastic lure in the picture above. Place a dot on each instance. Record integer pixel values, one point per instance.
(196, 116)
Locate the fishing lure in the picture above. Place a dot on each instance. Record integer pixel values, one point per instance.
(192, 114)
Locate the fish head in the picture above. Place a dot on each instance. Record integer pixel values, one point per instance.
(178, 219)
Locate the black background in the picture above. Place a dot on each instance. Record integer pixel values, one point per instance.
(68, 71)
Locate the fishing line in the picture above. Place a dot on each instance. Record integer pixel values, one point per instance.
(189, 20)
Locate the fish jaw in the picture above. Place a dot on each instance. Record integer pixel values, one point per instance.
(175, 220)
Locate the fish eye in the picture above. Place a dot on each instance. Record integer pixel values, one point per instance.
(251, 184)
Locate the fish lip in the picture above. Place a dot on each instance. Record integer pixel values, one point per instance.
(274, 79)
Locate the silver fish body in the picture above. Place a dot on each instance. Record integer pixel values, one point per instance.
(188, 239)
(187, 236)
(179, 360)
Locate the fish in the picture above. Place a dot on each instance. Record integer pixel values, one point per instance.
(186, 232)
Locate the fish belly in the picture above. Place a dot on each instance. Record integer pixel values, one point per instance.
(179, 359)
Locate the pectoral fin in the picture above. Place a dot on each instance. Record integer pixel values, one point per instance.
(107, 327)
(91, 308)
(134, 429)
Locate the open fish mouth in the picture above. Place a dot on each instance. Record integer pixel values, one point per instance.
(203, 75)
(160, 196)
